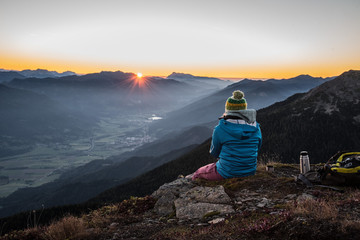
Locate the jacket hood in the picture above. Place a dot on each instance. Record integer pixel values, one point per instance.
(249, 115)
(239, 131)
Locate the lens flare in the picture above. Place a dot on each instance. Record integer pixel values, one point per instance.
(139, 81)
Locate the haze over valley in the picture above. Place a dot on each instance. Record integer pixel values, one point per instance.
(52, 124)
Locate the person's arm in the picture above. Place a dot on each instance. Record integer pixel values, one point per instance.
(260, 142)
(215, 148)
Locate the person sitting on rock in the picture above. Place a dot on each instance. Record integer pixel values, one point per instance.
(236, 141)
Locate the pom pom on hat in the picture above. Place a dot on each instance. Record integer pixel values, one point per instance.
(238, 94)
(236, 102)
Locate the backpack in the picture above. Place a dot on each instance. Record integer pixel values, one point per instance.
(342, 169)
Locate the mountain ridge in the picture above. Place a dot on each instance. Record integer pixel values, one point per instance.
(43, 73)
(118, 90)
(38, 73)
(322, 121)
(209, 83)
(9, 76)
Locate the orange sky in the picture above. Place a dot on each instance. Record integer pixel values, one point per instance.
(260, 71)
(230, 38)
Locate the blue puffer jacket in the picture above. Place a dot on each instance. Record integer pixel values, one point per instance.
(237, 147)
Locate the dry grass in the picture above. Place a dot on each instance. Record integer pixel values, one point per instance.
(68, 228)
(316, 209)
(261, 165)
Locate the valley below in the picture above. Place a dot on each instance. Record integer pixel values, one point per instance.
(46, 162)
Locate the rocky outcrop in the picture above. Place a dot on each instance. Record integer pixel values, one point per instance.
(168, 193)
(190, 201)
(193, 200)
(200, 201)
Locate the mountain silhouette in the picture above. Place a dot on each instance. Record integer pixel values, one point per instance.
(106, 92)
(322, 121)
(43, 73)
(207, 83)
(7, 76)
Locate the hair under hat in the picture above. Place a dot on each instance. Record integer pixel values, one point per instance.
(236, 102)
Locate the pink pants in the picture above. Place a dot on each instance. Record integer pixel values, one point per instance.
(208, 172)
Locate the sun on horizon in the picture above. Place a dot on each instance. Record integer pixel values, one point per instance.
(139, 81)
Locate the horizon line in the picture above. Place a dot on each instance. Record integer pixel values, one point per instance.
(165, 76)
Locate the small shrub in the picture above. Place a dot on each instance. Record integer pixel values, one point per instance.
(101, 217)
(67, 228)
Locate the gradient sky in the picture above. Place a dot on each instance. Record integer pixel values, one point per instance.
(220, 38)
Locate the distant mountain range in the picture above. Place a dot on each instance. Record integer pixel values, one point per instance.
(112, 92)
(258, 94)
(201, 82)
(42, 73)
(8, 75)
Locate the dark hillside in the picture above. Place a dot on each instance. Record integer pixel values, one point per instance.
(321, 121)
(150, 181)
